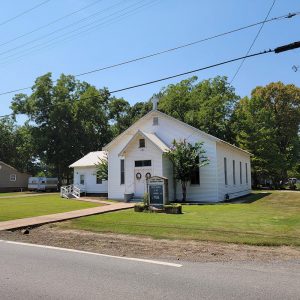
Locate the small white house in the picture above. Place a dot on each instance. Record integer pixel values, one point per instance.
(85, 176)
(138, 153)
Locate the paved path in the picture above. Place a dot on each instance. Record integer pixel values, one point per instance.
(86, 199)
(27, 222)
(27, 195)
(32, 272)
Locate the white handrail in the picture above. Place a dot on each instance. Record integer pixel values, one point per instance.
(68, 190)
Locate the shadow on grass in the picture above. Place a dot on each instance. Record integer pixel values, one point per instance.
(248, 198)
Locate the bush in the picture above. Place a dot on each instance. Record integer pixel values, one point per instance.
(173, 208)
(140, 207)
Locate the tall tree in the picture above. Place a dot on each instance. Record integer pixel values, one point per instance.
(267, 125)
(69, 119)
(206, 105)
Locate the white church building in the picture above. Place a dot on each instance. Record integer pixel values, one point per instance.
(138, 153)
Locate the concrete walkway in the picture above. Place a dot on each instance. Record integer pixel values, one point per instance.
(27, 222)
(27, 195)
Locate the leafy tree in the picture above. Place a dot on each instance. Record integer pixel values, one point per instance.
(102, 168)
(69, 120)
(7, 138)
(16, 147)
(206, 105)
(185, 158)
(267, 125)
(122, 115)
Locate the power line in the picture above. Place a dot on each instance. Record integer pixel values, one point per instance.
(23, 13)
(277, 50)
(128, 12)
(59, 29)
(253, 42)
(51, 23)
(286, 16)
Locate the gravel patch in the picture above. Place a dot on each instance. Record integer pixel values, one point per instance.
(143, 247)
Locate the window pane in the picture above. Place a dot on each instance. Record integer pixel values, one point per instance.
(138, 163)
(241, 175)
(233, 171)
(155, 121)
(147, 163)
(142, 163)
(142, 143)
(81, 179)
(98, 180)
(246, 173)
(122, 172)
(225, 170)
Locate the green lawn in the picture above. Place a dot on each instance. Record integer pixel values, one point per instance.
(17, 208)
(272, 219)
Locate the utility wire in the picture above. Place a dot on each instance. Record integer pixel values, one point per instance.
(277, 50)
(60, 29)
(128, 10)
(51, 23)
(23, 13)
(286, 16)
(253, 42)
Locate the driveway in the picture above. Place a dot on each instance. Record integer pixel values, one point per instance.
(33, 272)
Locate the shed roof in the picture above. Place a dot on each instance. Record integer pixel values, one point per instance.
(89, 160)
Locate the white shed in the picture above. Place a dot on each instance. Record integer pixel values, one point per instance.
(85, 176)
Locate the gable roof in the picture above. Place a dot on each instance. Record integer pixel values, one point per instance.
(3, 163)
(157, 112)
(89, 160)
(152, 137)
(11, 167)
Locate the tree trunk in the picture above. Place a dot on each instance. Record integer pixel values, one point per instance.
(183, 185)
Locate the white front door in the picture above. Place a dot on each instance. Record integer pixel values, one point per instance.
(140, 176)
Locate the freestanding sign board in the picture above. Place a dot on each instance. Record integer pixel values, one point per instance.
(158, 190)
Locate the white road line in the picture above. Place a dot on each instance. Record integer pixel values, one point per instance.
(156, 262)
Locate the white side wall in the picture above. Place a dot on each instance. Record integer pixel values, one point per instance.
(116, 190)
(168, 172)
(90, 185)
(237, 189)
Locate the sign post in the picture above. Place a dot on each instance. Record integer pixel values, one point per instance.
(158, 191)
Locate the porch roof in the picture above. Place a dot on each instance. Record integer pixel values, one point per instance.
(152, 137)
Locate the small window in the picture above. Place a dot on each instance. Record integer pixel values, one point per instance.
(233, 171)
(142, 163)
(122, 171)
(82, 179)
(155, 121)
(142, 143)
(241, 174)
(98, 180)
(225, 170)
(13, 177)
(246, 165)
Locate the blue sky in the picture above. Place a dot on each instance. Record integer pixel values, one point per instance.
(155, 26)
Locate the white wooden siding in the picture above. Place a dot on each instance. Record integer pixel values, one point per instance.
(90, 183)
(212, 186)
(237, 189)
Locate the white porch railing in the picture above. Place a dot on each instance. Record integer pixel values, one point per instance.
(70, 191)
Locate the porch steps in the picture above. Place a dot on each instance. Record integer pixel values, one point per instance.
(135, 200)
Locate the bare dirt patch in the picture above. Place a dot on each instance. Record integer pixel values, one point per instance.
(125, 245)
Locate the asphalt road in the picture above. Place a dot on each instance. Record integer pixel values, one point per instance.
(28, 272)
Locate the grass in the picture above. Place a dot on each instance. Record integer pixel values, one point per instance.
(271, 218)
(17, 208)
